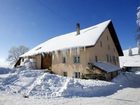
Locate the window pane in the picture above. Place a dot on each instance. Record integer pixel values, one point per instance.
(64, 60)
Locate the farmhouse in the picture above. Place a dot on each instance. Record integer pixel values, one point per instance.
(86, 53)
(131, 59)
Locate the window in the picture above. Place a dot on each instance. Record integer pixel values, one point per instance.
(38, 48)
(107, 57)
(100, 43)
(22, 59)
(76, 59)
(64, 60)
(110, 59)
(77, 74)
(96, 58)
(65, 74)
(114, 49)
(107, 37)
(117, 59)
(114, 59)
(108, 47)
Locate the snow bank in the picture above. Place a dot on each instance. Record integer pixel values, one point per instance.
(128, 79)
(41, 84)
(38, 83)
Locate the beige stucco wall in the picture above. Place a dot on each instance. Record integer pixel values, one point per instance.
(101, 52)
(58, 67)
(86, 55)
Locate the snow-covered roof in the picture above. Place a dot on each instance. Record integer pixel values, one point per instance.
(108, 67)
(130, 61)
(87, 37)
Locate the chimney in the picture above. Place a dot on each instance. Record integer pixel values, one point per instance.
(78, 28)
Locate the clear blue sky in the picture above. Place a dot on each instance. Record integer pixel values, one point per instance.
(31, 22)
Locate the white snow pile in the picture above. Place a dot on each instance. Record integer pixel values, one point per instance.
(128, 79)
(40, 84)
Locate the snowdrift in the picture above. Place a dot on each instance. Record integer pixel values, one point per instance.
(41, 84)
(38, 83)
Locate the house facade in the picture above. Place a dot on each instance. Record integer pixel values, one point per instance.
(75, 54)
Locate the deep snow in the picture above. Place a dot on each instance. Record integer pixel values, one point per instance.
(38, 83)
(44, 88)
(126, 96)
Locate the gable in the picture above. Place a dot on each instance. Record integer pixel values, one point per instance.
(115, 38)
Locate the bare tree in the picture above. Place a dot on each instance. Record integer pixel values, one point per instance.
(15, 52)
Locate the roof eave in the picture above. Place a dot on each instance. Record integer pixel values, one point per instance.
(115, 39)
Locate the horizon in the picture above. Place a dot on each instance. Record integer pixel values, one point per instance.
(31, 22)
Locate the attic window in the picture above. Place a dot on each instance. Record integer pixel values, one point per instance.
(107, 37)
(100, 43)
(38, 48)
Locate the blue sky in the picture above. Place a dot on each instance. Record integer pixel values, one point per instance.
(31, 22)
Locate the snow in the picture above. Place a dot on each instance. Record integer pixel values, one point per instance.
(130, 61)
(4, 70)
(39, 84)
(87, 37)
(127, 96)
(49, 89)
(108, 67)
(138, 16)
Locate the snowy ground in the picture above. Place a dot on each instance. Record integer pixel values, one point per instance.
(127, 96)
(44, 88)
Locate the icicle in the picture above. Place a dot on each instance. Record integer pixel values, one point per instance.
(84, 48)
(63, 53)
(74, 51)
(53, 53)
(78, 50)
(56, 54)
(70, 52)
(43, 54)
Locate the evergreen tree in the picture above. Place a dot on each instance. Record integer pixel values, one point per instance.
(130, 52)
